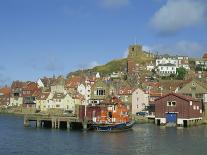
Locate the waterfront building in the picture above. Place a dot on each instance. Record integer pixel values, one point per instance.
(99, 91)
(140, 100)
(125, 95)
(29, 93)
(63, 102)
(16, 98)
(5, 97)
(42, 100)
(177, 109)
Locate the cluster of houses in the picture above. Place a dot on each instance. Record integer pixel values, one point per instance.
(184, 102)
(173, 101)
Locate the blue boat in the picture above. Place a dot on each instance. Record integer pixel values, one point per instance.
(113, 127)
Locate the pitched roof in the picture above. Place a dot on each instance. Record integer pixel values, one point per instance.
(17, 84)
(187, 98)
(111, 101)
(74, 81)
(43, 96)
(5, 90)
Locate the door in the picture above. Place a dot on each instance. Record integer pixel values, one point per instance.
(171, 118)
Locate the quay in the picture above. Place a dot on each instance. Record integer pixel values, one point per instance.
(55, 122)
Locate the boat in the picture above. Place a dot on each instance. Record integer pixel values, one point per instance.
(113, 127)
(114, 116)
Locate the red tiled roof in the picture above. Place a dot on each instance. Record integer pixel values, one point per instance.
(74, 81)
(43, 96)
(5, 90)
(188, 98)
(112, 100)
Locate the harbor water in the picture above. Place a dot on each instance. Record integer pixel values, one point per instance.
(142, 139)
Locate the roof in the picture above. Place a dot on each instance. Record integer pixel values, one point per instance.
(111, 101)
(187, 98)
(17, 84)
(48, 81)
(43, 96)
(78, 96)
(205, 56)
(5, 90)
(74, 81)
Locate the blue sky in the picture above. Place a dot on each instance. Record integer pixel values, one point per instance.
(45, 37)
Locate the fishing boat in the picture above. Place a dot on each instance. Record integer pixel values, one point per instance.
(114, 116)
(113, 127)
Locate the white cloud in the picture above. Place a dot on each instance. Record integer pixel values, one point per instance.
(178, 14)
(114, 3)
(183, 47)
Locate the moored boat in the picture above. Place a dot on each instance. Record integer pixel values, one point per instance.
(113, 127)
(114, 116)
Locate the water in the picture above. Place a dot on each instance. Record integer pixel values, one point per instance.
(143, 139)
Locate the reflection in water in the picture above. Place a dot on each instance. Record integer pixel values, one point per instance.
(143, 139)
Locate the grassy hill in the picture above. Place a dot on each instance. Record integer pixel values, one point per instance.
(112, 66)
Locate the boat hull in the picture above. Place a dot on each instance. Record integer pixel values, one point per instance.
(113, 127)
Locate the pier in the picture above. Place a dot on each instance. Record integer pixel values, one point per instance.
(55, 122)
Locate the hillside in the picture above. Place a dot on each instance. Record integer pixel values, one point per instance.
(112, 66)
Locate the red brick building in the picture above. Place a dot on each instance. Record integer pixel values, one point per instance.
(177, 109)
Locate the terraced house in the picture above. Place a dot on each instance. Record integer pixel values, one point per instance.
(99, 91)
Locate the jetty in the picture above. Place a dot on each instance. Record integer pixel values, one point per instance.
(54, 122)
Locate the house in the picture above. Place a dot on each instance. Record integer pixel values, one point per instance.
(125, 95)
(5, 96)
(168, 60)
(16, 98)
(29, 93)
(73, 82)
(166, 69)
(99, 91)
(195, 89)
(140, 100)
(113, 110)
(42, 100)
(62, 101)
(85, 90)
(183, 61)
(58, 85)
(177, 109)
(45, 83)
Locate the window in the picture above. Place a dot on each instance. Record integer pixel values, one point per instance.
(191, 103)
(171, 103)
(199, 96)
(188, 95)
(100, 92)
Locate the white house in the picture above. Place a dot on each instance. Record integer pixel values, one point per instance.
(85, 90)
(166, 69)
(140, 100)
(62, 101)
(163, 61)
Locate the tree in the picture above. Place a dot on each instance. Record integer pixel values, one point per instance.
(181, 72)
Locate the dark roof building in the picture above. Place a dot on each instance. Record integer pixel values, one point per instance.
(177, 109)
